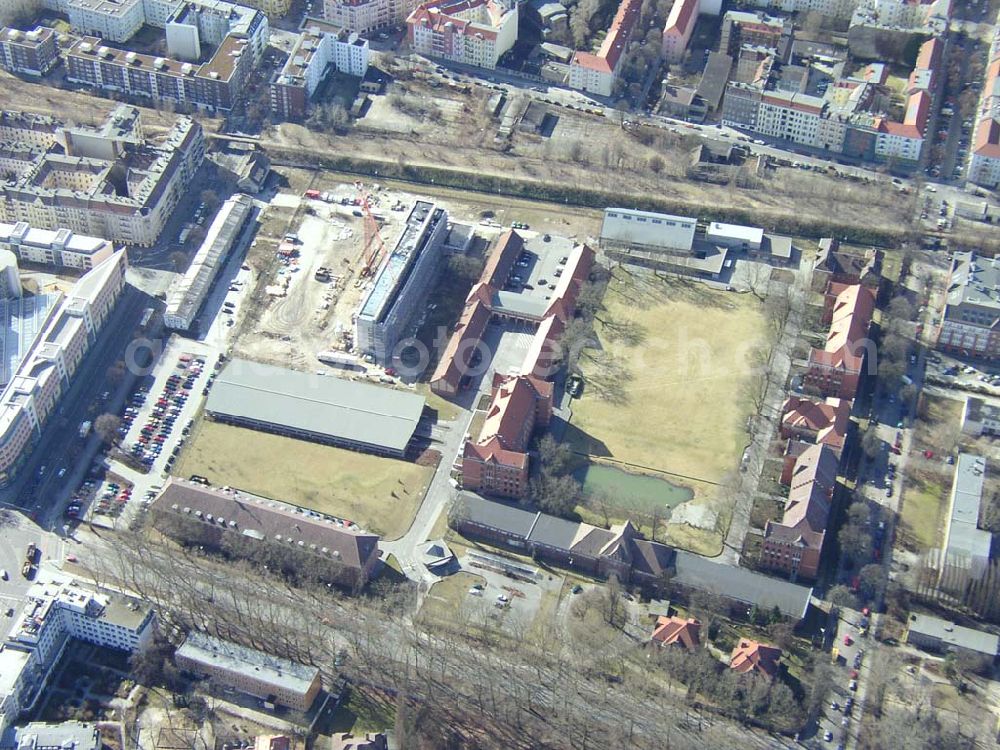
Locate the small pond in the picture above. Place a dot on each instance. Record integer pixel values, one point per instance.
(638, 489)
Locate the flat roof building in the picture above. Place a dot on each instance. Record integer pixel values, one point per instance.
(59, 247)
(109, 181)
(67, 735)
(970, 325)
(31, 53)
(272, 679)
(401, 283)
(57, 608)
(187, 293)
(935, 634)
(966, 546)
(323, 409)
(45, 339)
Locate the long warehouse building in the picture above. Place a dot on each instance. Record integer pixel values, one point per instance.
(187, 294)
(402, 282)
(323, 409)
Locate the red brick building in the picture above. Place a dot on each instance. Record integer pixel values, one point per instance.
(497, 462)
(836, 369)
(823, 422)
(793, 546)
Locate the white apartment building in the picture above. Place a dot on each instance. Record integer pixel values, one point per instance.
(363, 16)
(322, 47)
(794, 117)
(58, 608)
(55, 332)
(58, 248)
(834, 8)
(472, 33)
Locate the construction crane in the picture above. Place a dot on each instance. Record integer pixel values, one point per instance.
(374, 246)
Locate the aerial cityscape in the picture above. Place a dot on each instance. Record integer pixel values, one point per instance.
(514, 374)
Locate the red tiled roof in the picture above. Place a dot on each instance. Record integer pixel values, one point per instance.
(930, 54)
(670, 630)
(607, 57)
(469, 329)
(502, 258)
(438, 14)
(492, 451)
(807, 510)
(512, 405)
(827, 419)
(987, 141)
(852, 315)
(751, 656)
(682, 15)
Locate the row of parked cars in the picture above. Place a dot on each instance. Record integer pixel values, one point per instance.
(162, 420)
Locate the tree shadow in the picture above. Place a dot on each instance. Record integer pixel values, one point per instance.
(626, 332)
(608, 378)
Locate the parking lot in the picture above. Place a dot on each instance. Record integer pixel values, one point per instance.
(159, 415)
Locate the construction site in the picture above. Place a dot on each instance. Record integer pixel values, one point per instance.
(330, 251)
(316, 258)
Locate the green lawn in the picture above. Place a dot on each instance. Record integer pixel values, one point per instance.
(664, 388)
(380, 494)
(362, 712)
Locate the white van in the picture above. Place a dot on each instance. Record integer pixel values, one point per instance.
(3, 574)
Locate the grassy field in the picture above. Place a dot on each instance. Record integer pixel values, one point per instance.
(448, 596)
(664, 389)
(922, 516)
(380, 494)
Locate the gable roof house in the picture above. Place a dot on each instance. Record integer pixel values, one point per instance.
(751, 656)
(670, 631)
(822, 422)
(835, 370)
(794, 545)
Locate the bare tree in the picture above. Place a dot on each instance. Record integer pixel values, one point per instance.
(106, 426)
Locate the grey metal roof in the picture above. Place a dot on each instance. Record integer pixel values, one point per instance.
(496, 515)
(964, 537)
(740, 584)
(325, 405)
(520, 304)
(204, 649)
(554, 532)
(955, 635)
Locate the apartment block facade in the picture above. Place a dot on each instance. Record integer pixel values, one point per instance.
(28, 52)
(316, 52)
(47, 362)
(477, 32)
(597, 73)
(970, 325)
(365, 16)
(247, 670)
(67, 178)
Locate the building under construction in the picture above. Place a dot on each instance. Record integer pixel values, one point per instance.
(401, 283)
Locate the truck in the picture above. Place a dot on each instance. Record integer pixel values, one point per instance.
(313, 194)
(30, 553)
(85, 428)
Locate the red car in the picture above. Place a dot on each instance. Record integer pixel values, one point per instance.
(848, 640)
(928, 454)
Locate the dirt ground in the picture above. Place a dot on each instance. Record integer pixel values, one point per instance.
(315, 316)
